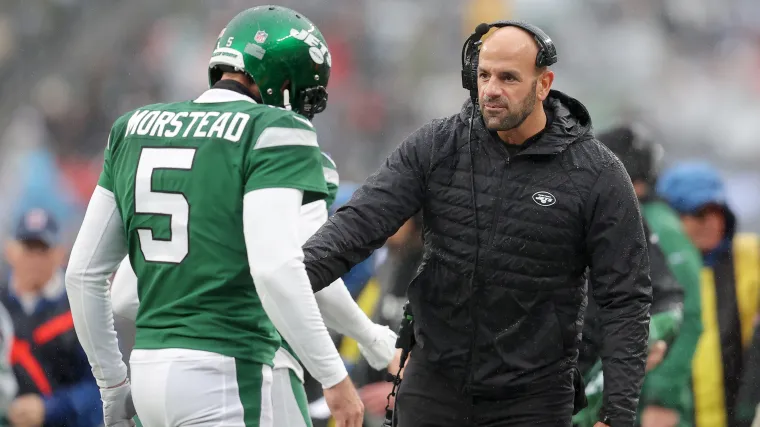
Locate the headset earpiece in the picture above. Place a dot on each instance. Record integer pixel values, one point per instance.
(474, 75)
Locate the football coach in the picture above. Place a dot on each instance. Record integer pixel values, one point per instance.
(521, 207)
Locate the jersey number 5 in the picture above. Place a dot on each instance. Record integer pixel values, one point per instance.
(160, 203)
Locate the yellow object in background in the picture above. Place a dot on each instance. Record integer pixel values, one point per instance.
(478, 11)
(709, 368)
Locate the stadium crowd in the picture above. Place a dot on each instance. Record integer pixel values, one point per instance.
(685, 70)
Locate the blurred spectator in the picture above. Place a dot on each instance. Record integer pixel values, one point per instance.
(8, 384)
(56, 385)
(729, 288)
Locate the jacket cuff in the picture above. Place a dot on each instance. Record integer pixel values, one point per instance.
(617, 419)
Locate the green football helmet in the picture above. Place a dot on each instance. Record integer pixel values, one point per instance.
(282, 51)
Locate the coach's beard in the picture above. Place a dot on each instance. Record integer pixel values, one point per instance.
(512, 120)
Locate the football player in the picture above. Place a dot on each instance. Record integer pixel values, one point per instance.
(340, 312)
(205, 198)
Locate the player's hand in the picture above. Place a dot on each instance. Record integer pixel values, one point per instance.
(380, 351)
(344, 403)
(27, 410)
(118, 409)
(600, 424)
(656, 354)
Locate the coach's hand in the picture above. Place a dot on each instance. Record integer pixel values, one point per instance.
(393, 366)
(345, 405)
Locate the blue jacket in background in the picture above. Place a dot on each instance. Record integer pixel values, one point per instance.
(48, 360)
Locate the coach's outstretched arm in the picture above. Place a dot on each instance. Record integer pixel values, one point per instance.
(390, 196)
(620, 284)
(340, 312)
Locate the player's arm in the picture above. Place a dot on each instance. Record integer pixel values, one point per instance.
(125, 303)
(98, 250)
(276, 260)
(124, 292)
(339, 310)
(284, 171)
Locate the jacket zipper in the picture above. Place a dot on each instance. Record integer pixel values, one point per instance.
(499, 204)
(473, 317)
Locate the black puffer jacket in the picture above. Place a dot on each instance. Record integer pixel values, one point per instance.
(499, 300)
(667, 295)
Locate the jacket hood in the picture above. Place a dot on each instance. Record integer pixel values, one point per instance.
(570, 122)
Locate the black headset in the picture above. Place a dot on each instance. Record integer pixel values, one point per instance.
(547, 53)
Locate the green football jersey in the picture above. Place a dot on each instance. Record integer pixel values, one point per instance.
(179, 173)
(332, 178)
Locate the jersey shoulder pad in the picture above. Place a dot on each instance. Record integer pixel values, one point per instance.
(330, 170)
(328, 162)
(278, 127)
(331, 173)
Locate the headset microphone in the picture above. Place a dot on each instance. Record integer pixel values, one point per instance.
(482, 29)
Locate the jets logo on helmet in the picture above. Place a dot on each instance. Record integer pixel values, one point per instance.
(317, 50)
(282, 52)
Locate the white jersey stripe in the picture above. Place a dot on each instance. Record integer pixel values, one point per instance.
(280, 137)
